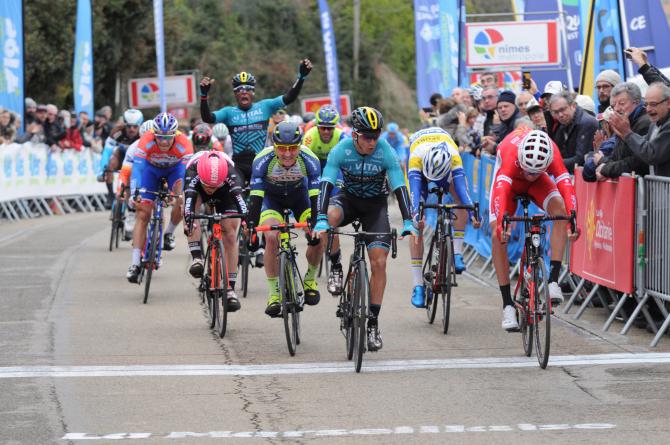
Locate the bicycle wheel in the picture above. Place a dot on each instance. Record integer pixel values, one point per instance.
(541, 313)
(287, 289)
(203, 288)
(360, 315)
(445, 274)
(244, 263)
(299, 301)
(120, 222)
(347, 311)
(221, 282)
(429, 273)
(150, 264)
(523, 316)
(116, 217)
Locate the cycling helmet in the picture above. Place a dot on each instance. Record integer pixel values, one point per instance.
(244, 78)
(437, 162)
(213, 169)
(165, 124)
(286, 133)
(367, 119)
(220, 131)
(146, 126)
(393, 128)
(327, 116)
(536, 152)
(133, 117)
(202, 136)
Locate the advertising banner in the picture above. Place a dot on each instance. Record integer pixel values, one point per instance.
(82, 76)
(146, 93)
(605, 251)
(160, 55)
(330, 52)
(428, 56)
(512, 43)
(449, 42)
(11, 62)
(312, 104)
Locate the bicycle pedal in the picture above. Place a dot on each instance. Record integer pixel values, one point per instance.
(512, 330)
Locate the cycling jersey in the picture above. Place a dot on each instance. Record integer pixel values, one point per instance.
(422, 142)
(399, 142)
(214, 144)
(312, 140)
(127, 165)
(509, 180)
(248, 128)
(117, 140)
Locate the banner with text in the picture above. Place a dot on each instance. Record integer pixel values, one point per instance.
(330, 51)
(178, 91)
(83, 59)
(11, 62)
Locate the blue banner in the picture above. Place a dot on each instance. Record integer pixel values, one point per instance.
(330, 52)
(463, 78)
(607, 49)
(83, 59)
(160, 55)
(428, 57)
(449, 43)
(11, 62)
(648, 26)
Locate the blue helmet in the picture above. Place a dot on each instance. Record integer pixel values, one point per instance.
(327, 116)
(393, 128)
(165, 124)
(286, 133)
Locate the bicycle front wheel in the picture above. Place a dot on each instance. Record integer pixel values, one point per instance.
(523, 315)
(541, 313)
(445, 278)
(221, 282)
(288, 307)
(151, 260)
(346, 311)
(116, 217)
(429, 273)
(244, 263)
(360, 315)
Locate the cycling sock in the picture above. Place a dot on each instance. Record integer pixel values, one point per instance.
(232, 279)
(136, 257)
(311, 272)
(458, 241)
(374, 309)
(554, 271)
(506, 295)
(416, 271)
(335, 257)
(273, 286)
(195, 249)
(170, 228)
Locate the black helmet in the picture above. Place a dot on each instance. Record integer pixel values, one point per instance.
(286, 133)
(367, 120)
(244, 78)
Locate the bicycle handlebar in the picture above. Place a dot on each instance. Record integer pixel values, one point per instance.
(282, 227)
(356, 234)
(448, 207)
(218, 216)
(539, 219)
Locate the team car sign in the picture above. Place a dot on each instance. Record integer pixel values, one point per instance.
(179, 91)
(512, 43)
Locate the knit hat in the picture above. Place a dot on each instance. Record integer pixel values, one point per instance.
(507, 96)
(609, 76)
(30, 103)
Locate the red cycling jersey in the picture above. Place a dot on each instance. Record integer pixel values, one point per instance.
(510, 182)
(148, 150)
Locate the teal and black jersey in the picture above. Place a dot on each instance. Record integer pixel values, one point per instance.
(364, 176)
(248, 128)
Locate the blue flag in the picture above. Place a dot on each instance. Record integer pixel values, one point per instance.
(160, 54)
(330, 51)
(11, 62)
(449, 43)
(83, 60)
(428, 51)
(607, 49)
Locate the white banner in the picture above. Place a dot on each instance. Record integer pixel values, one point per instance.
(146, 92)
(31, 170)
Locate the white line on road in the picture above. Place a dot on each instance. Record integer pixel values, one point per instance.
(13, 372)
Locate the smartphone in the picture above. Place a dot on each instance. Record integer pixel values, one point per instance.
(626, 53)
(526, 80)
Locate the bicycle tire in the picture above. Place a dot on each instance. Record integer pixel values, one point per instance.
(120, 223)
(222, 288)
(286, 290)
(429, 281)
(360, 315)
(298, 303)
(348, 311)
(523, 316)
(204, 290)
(155, 231)
(244, 263)
(116, 216)
(541, 313)
(446, 274)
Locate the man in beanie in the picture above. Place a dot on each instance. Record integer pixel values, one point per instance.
(604, 84)
(508, 113)
(30, 109)
(576, 128)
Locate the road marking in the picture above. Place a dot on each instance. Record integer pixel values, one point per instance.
(13, 372)
(425, 429)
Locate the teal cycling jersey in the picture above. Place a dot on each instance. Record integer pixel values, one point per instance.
(364, 176)
(248, 128)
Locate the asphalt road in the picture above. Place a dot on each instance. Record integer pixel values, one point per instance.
(81, 358)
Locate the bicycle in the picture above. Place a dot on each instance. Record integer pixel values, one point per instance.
(439, 270)
(153, 247)
(214, 283)
(531, 293)
(244, 254)
(118, 218)
(354, 300)
(290, 280)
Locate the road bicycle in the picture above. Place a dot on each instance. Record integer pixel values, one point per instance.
(118, 218)
(439, 270)
(354, 300)
(531, 294)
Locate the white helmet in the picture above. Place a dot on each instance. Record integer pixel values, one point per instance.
(146, 126)
(437, 162)
(536, 152)
(133, 117)
(220, 131)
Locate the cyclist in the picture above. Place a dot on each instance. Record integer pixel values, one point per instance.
(365, 162)
(435, 159)
(203, 140)
(160, 154)
(248, 121)
(116, 144)
(221, 133)
(525, 160)
(398, 141)
(285, 176)
(211, 175)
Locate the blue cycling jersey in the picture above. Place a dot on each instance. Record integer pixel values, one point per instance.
(364, 176)
(248, 128)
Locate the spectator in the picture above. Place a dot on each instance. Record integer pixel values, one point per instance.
(72, 139)
(488, 117)
(522, 101)
(536, 114)
(552, 87)
(654, 148)
(85, 131)
(574, 135)
(7, 132)
(30, 109)
(396, 139)
(586, 104)
(508, 114)
(489, 80)
(457, 94)
(603, 144)
(605, 81)
(448, 114)
(649, 72)
(467, 137)
(53, 130)
(35, 129)
(626, 100)
(100, 131)
(107, 110)
(428, 116)
(16, 123)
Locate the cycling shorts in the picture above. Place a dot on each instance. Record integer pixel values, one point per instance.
(243, 162)
(274, 205)
(541, 191)
(223, 200)
(120, 151)
(151, 179)
(373, 214)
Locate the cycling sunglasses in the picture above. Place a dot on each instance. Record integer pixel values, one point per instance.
(164, 137)
(370, 136)
(243, 88)
(287, 148)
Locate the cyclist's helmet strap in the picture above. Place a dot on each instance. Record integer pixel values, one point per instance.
(536, 152)
(244, 78)
(437, 162)
(286, 133)
(367, 119)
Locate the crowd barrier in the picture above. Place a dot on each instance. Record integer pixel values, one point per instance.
(35, 181)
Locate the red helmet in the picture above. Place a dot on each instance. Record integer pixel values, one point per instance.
(213, 169)
(202, 136)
